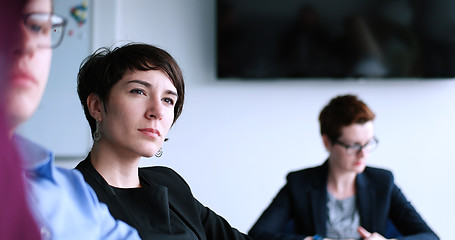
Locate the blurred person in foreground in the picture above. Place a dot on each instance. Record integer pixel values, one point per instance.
(62, 204)
(342, 198)
(16, 220)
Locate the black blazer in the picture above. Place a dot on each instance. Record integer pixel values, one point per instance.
(302, 202)
(201, 220)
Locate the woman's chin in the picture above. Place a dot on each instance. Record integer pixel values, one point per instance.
(360, 167)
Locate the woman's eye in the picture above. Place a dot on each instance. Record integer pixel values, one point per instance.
(138, 91)
(35, 28)
(169, 101)
(356, 146)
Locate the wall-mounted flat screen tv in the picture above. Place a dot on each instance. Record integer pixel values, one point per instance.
(338, 39)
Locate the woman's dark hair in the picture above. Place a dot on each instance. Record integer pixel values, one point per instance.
(343, 111)
(100, 71)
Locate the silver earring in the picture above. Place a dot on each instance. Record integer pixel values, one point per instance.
(159, 153)
(97, 133)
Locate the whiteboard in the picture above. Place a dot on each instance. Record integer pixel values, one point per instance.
(59, 122)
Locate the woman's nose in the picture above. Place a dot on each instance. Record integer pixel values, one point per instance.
(155, 109)
(24, 42)
(362, 152)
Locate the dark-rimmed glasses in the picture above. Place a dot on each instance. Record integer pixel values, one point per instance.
(355, 149)
(46, 28)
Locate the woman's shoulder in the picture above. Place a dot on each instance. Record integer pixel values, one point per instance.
(318, 174)
(376, 177)
(380, 173)
(158, 170)
(162, 175)
(307, 179)
(307, 172)
(179, 191)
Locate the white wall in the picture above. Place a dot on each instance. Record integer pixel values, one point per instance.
(236, 140)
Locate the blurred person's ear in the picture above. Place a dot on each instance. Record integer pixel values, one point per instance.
(327, 142)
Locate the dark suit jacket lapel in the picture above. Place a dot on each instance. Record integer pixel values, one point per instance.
(175, 203)
(318, 203)
(365, 201)
(319, 200)
(104, 192)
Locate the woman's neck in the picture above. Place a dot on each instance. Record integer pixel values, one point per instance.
(341, 184)
(119, 170)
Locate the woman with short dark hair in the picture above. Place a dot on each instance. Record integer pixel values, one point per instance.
(342, 198)
(132, 95)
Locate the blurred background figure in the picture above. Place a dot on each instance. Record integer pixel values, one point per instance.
(343, 198)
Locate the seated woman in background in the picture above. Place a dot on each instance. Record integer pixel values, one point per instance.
(131, 96)
(342, 198)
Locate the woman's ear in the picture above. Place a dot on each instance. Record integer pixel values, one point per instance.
(327, 142)
(95, 106)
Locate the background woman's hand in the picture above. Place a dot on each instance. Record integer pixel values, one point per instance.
(311, 238)
(370, 236)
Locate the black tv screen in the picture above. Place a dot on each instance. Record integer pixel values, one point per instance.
(335, 39)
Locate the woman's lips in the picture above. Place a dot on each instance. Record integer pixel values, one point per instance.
(151, 132)
(358, 163)
(22, 79)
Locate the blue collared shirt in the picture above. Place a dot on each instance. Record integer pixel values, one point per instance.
(64, 205)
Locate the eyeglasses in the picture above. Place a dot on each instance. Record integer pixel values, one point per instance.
(46, 28)
(356, 148)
